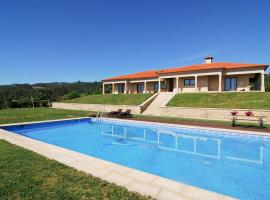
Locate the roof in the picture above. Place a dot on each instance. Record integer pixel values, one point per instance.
(210, 66)
(139, 75)
(191, 68)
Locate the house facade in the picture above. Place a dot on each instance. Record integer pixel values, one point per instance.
(207, 77)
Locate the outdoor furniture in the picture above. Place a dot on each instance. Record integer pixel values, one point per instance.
(248, 116)
(114, 113)
(126, 114)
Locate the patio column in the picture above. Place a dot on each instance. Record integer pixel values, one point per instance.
(262, 82)
(112, 88)
(177, 84)
(220, 82)
(196, 83)
(144, 88)
(103, 88)
(125, 91)
(159, 85)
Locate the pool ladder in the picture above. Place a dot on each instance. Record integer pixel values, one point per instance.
(99, 116)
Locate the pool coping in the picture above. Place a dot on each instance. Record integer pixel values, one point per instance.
(227, 130)
(132, 179)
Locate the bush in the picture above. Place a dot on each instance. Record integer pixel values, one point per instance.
(14, 104)
(44, 103)
(71, 95)
(267, 87)
(23, 103)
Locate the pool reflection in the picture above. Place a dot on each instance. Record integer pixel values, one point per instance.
(203, 146)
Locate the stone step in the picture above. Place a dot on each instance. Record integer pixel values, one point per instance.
(160, 101)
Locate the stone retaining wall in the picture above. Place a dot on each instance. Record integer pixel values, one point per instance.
(199, 113)
(96, 107)
(145, 104)
(209, 113)
(106, 108)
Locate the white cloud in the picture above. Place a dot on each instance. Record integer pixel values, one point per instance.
(196, 56)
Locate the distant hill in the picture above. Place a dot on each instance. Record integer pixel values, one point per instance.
(25, 95)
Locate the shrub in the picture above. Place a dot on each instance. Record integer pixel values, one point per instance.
(44, 103)
(267, 87)
(23, 103)
(71, 95)
(14, 104)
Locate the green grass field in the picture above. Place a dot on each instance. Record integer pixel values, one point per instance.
(113, 99)
(27, 175)
(38, 114)
(249, 100)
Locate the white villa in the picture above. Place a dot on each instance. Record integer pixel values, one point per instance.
(207, 77)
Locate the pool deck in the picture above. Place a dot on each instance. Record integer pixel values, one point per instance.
(134, 180)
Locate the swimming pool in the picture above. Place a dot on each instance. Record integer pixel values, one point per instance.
(232, 164)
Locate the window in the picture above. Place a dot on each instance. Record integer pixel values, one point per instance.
(140, 88)
(230, 84)
(189, 82)
(163, 85)
(156, 87)
(121, 88)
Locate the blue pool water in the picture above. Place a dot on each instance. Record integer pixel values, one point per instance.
(231, 164)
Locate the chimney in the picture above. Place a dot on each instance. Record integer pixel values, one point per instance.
(208, 59)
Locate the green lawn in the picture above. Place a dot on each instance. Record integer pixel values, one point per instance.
(38, 114)
(27, 175)
(113, 99)
(249, 100)
(27, 115)
(202, 122)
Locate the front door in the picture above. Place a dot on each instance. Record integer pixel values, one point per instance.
(140, 88)
(121, 88)
(230, 84)
(156, 87)
(171, 84)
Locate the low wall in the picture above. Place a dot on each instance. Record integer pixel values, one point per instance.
(145, 104)
(96, 107)
(105, 107)
(209, 113)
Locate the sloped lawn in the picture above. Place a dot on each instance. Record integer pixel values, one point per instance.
(248, 100)
(112, 99)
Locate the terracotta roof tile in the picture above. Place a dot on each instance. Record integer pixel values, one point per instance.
(139, 75)
(210, 66)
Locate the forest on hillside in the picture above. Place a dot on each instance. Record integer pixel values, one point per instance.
(42, 94)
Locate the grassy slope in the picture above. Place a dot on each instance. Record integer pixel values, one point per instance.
(249, 100)
(38, 114)
(114, 99)
(27, 175)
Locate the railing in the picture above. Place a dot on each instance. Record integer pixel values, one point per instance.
(99, 115)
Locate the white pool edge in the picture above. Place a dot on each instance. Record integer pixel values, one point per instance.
(225, 130)
(134, 180)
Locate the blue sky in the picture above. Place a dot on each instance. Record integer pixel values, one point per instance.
(87, 40)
